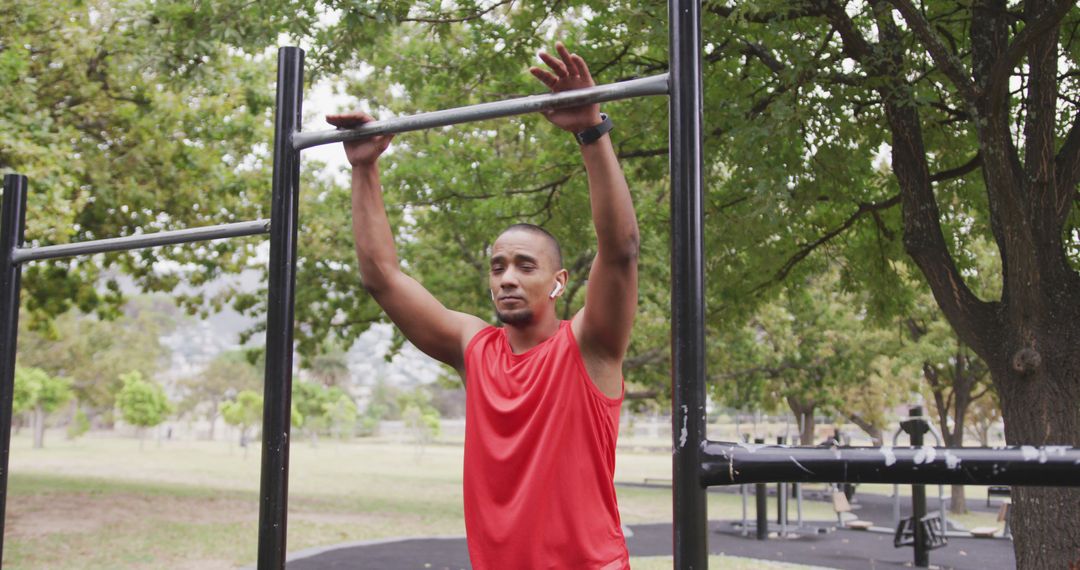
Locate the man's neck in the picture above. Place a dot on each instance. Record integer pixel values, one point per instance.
(522, 338)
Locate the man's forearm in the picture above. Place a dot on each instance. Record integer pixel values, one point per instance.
(375, 250)
(612, 208)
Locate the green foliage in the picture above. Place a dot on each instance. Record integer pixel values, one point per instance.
(142, 402)
(79, 425)
(324, 409)
(95, 352)
(228, 373)
(808, 349)
(117, 134)
(35, 388)
(158, 115)
(420, 417)
(245, 411)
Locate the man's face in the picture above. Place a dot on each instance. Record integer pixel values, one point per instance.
(523, 274)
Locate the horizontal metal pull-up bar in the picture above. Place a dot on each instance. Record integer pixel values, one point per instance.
(728, 464)
(654, 85)
(142, 241)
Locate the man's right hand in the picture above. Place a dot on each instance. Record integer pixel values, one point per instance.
(364, 152)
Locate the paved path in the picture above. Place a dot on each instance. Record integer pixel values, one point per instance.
(842, 549)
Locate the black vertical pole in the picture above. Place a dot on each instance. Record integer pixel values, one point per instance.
(916, 426)
(277, 400)
(687, 285)
(761, 496)
(781, 499)
(12, 224)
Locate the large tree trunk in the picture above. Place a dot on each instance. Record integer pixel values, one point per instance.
(1041, 408)
(1029, 337)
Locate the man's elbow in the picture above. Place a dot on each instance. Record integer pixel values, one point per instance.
(375, 280)
(625, 250)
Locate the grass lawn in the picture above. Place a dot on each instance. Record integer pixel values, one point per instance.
(101, 502)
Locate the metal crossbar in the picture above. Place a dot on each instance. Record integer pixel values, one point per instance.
(653, 85)
(141, 241)
(733, 464)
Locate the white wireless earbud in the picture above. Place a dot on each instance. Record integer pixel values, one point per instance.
(492, 291)
(556, 290)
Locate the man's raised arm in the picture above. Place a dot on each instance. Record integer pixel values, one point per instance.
(603, 326)
(434, 329)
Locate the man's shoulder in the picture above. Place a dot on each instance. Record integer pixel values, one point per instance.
(481, 338)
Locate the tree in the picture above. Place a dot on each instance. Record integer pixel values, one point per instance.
(228, 372)
(341, 415)
(888, 383)
(95, 352)
(324, 409)
(955, 378)
(142, 402)
(128, 116)
(810, 348)
(244, 412)
(969, 157)
(420, 417)
(330, 368)
(40, 394)
(985, 414)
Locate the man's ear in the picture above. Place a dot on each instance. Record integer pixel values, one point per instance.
(560, 283)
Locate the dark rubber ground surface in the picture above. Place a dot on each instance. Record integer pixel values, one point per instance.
(847, 549)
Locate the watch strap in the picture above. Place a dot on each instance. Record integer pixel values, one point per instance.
(593, 134)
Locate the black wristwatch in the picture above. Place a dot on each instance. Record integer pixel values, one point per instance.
(593, 134)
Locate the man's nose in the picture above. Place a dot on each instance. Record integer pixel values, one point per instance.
(509, 280)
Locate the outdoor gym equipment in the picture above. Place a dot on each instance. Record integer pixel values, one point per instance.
(697, 462)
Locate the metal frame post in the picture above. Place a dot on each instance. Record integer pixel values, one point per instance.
(12, 225)
(916, 426)
(781, 499)
(690, 521)
(277, 400)
(761, 500)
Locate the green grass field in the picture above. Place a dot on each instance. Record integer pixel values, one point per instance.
(101, 502)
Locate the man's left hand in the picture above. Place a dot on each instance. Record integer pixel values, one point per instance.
(568, 71)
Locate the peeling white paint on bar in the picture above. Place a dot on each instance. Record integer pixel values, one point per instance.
(890, 457)
(952, 461)
(683, 434)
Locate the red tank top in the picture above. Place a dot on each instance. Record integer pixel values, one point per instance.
(539, 458)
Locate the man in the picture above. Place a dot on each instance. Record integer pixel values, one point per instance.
(542, 395)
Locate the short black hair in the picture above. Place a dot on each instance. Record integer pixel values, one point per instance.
(539, 230)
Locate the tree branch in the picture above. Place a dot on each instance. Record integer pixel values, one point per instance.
(467, 18)
(765, 17)
(651, 356)
(1067, 170)
(946, 60)
(998, 80)
(642, 153)
(969, 166)
(855, 45)
(805, 250)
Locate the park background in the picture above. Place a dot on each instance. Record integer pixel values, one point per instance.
(829, 304)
